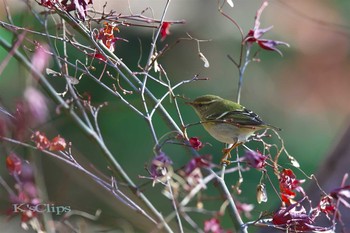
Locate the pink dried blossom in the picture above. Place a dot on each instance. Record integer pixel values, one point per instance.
(254, 35)
(57, 144)
(159, 165)
(165, 30)
(14, 164)
(196, 143)
(255, 159)
(289, 183)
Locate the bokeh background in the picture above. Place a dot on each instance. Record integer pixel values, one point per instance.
(306, 92)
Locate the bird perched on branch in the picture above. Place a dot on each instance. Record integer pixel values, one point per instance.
(227, 121)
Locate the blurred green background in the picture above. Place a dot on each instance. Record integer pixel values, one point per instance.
(305, 92)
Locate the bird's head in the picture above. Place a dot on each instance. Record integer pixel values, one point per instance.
(204, 103)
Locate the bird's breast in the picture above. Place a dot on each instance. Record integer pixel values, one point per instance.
(229, 133)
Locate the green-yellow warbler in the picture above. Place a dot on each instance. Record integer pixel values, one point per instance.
(227, 121)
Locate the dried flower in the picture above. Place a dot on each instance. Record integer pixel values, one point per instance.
(192, 173)
(296, 218)
(106, 35)
(30, 111)
(196, 143)
(261, 195)
(58, 144)
(193, 179)
(40, 140)
(36, 106)
(213, 226)
(26, 194)
(165, 30)
(14, 164)
(255, 159)
(327, 205)
(254, 35)
(291, 216)
(288, 183)
(341, 194)
(81, 8)
(159, 165)
(98, 56)
(48, 3)
(197, 162)
(244, 208)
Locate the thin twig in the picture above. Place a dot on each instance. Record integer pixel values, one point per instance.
(174, 204)
(236, 218)
(16, 45)
(241, 73)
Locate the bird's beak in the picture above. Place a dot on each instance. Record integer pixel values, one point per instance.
(189, 103)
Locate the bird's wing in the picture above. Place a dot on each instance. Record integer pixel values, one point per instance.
(242, 117)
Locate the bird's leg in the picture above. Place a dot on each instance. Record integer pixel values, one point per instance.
(227, 153)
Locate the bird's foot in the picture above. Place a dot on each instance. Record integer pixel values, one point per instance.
(225, 162)
(227, 153)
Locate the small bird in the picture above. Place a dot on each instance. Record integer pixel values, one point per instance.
(227, 121)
